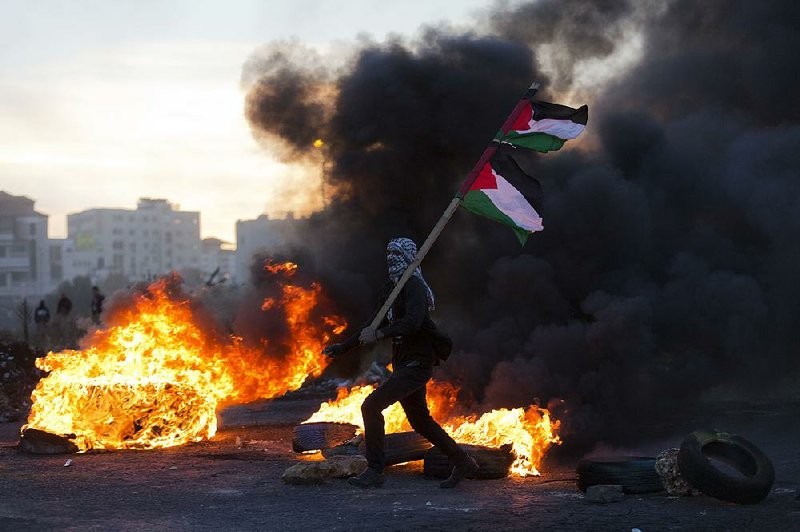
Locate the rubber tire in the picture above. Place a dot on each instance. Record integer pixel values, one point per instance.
(636, 474)
(321, 435)
(494, 462)
(693, 463)
(401, 447)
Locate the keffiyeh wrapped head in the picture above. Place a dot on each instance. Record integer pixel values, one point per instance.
(400, 253)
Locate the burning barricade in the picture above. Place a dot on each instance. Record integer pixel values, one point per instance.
(503, 441)
(156, 376)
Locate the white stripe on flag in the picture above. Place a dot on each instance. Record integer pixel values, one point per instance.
(563, 129)
(511, 201)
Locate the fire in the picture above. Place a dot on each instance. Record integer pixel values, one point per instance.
(531, 431)
(155, 378)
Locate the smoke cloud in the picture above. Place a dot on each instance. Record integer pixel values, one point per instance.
(669, 258)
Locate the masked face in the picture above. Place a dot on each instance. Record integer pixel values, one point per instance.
(396, 263)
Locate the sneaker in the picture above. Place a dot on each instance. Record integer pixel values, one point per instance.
(370, 478)
(461, 471)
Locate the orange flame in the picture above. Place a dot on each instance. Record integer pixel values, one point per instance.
(155, 378)
(530, 430)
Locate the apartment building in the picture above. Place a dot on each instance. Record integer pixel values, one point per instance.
(141, 244)
(24, 249)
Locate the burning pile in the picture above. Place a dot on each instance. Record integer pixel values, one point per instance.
(156, 376)
(529, 430)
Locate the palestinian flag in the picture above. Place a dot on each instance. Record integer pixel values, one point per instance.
(543, 126)
(503, 192)
(497, 187)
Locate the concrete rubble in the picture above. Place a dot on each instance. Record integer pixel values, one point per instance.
(604, 493)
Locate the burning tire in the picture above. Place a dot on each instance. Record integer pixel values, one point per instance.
(755, 474)
(494, 462)
(401, 447)
(634, 474)
(323, 435)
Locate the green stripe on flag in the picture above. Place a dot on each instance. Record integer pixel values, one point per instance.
(479, 203)
(541, 142)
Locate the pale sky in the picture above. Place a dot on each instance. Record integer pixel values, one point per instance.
(103, 102)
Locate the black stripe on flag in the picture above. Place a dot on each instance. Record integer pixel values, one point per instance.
(504, 164)
(543, 110)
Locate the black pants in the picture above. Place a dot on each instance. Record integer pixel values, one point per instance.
(407, 385)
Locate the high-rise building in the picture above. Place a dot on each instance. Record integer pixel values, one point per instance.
(140, 244)
(24, 249)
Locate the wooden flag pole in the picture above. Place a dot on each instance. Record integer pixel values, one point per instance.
(448, 213)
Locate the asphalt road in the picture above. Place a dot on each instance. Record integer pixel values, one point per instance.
(217, 485)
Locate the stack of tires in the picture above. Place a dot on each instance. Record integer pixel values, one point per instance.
(715, 463)
(399, 448)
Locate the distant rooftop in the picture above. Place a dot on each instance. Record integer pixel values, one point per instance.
(11, 205)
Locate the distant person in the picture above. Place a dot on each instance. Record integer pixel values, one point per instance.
(97, 304)
(41, 316)
(64, 306)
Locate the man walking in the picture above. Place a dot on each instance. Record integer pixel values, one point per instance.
(414, 336)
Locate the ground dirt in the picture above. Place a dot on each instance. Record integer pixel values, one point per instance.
(219, 485)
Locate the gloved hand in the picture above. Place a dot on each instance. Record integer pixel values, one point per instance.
(333, 350)
(369, 335)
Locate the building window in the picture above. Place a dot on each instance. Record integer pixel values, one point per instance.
(101, 263)
(2, 251)
(118, 245)
(33, 229)
(18, 277)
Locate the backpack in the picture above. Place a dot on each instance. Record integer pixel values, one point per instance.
(441, 343)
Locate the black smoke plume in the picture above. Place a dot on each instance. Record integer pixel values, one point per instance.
(668, 265)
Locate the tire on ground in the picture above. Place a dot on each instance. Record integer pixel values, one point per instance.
(401, 447)
(635, 474)
(757, 472)
(494, 462)
(322, 435)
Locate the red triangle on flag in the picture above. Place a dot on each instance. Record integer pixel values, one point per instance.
(522, 123)
(485, 179)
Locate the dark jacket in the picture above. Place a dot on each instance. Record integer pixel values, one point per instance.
(413, 332)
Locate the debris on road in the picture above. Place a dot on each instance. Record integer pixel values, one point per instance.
(306, 473)
(667, 469)
(35, 441)
(346, 466)
(68, 462)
